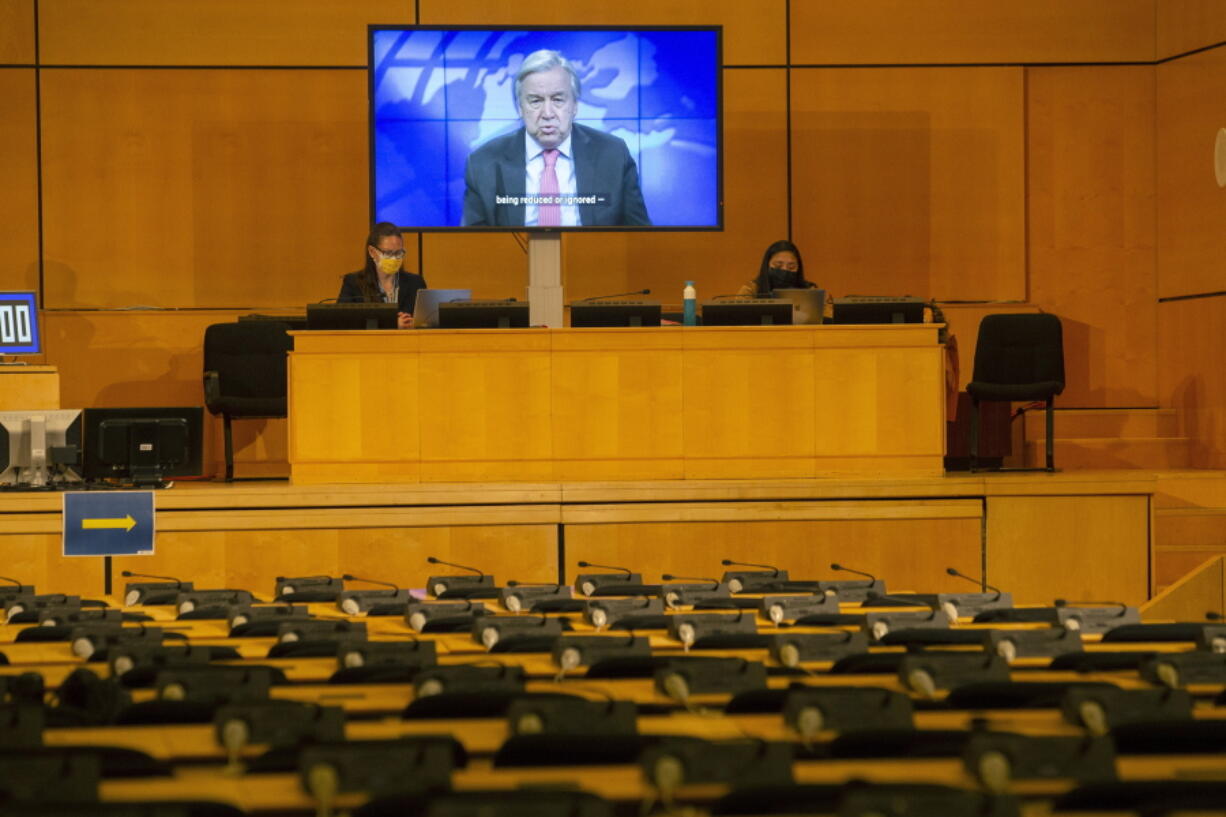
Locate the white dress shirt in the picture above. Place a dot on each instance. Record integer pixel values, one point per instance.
(534, 161)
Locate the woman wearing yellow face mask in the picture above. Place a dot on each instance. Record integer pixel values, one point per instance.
(383, 280)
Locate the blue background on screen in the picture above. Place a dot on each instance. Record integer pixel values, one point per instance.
(439, 94)
(19, 332)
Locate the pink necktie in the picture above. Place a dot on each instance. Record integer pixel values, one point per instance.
(549, 215)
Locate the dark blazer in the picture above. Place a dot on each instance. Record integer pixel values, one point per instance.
(603, 166)
(352, 290)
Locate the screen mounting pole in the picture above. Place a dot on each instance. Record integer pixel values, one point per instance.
(545, 279)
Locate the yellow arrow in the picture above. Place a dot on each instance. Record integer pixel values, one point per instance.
(127, 523)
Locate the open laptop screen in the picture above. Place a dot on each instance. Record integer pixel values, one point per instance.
(425, 308)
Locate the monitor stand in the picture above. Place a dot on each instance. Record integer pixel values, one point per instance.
(545, 279)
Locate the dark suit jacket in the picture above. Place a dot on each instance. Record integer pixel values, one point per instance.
(351, 289)
(602, 166)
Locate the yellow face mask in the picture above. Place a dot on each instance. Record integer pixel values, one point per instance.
(390, 266)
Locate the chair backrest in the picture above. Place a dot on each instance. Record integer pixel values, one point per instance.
(249, 357)
(1020, 348)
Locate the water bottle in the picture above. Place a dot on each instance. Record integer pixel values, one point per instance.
(689, 297)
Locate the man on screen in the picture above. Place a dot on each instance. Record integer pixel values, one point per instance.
(552, 172)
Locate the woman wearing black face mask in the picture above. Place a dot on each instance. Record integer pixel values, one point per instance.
(782, 268)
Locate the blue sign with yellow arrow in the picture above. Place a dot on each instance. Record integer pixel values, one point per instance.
(110, 523)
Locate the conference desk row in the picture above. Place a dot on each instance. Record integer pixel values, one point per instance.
(616, 404)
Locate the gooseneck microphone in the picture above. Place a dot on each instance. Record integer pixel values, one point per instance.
(837, 566)
(19, 584)
(730, 563)
(434, 560)
(128, 574)
(351, 578)
(615, 295)
(951, 571)
(625, 570)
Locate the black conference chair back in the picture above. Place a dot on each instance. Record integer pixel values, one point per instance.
(245, 373)
(1018, 357)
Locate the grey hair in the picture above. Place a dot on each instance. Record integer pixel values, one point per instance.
(545, 60)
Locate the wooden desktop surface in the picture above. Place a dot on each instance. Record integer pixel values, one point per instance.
(664, 403)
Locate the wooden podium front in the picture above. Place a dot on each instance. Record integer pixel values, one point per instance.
(539, 405)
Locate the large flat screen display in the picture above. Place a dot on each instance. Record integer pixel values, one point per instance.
(546, 128)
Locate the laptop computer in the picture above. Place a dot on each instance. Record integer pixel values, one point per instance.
(425, 308)
(808, 305)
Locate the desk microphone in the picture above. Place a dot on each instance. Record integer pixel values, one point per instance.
(729, 563)
(128, 574)
(437, 561)
(951, 571)
(614, 295)
(20, 585)
(837, 566)
(625, 570)
(669, 577)
(351, 578)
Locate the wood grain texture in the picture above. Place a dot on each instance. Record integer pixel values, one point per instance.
(754, 33)
(29, 388)
(1186, 25)
(196, 188)
(16, 32)
(892, 32)
(1203, 588)
(1080, 548)
(19, 169)
(211, 32)
(1191, 336)
(1090, 134)
(1191, 206)
(533, 405)
(911, 181)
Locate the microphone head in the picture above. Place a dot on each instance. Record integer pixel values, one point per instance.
(1213, 615)
(1060, 602)
(512, 583)
(668, 577)
(646, 290)
(432, 560)
(951, 571)
(126, 574)
(584, 564)
(835, 566)
(348, 577)
(726, 562)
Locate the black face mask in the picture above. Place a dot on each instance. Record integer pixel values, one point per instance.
(783, 279)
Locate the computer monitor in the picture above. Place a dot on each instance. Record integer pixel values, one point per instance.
(145, 445)
(878, 309)
(483, 315)
(747, 312)
(446, 127)
(352, 316)
(40, 449)
(425, 307)
(614, 313)
(19, 333)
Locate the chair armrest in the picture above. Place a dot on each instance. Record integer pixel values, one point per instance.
(212, 390)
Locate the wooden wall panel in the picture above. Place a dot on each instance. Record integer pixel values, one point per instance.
(909, 553)
(754, 33)
(1191, 206)
(16, 32)
(892, 32)
(211, 32)
(1191, 336)
(19, 170)
(1046, 547)
(1186, 25)
(154, 358)
(911, 181)
(192, 188)
(1091, 211)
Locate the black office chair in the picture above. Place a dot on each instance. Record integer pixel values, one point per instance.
(244, 373)
(1017, 358)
